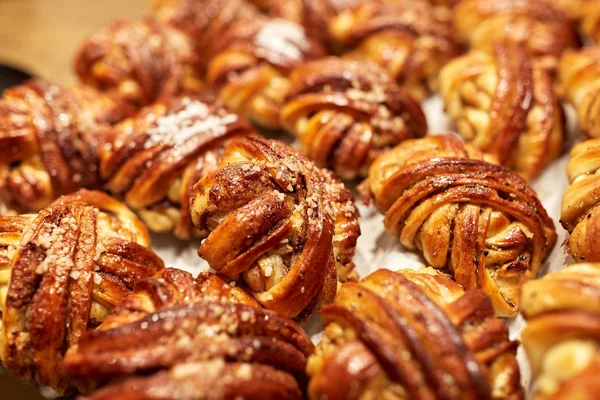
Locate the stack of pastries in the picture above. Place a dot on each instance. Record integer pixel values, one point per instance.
(168, 118)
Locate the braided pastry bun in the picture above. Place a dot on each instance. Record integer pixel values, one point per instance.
(580, 211)
(48, 141)
(278, 224)
(192, 339)
(139, 61)
(154, 158)
(562, 336)
(347, 113)
(580, 82)
(413, 335)
(505, 104)
(407, 38)
(61, 272)
(479, 220)
(542, 28)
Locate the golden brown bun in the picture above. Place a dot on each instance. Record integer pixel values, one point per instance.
(154, 158)
(413, 335)
(278, 224)
(562, 337)
(61, 272)
(346, 113)
(480, 221)
(505, 104)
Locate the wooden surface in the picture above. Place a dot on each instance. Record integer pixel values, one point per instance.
(41, 36)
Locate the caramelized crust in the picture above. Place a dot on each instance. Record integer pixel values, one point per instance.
(539, 26)
(479, 220)
(580, 81)
(413, 335)
(155, 158)
(505, 104)
(347, 113)
(407, 38)
(278, 224)
(580, 211)
(139, 61)
(61, 272)
(562, 337)
(48, 141)
(181, 338)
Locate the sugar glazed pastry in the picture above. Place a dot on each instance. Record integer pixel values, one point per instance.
(140, 61)
(154, 158)
(347, 113)
(562, 336)
(61, 272)
(479, 220)
(413, 335)
(542, 28)
(580, 81)
(277, 224)
(580, 214)
(505, 104)
(406, 38)
(181, 338)
(48, 141)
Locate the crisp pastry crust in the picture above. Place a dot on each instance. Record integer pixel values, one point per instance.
(346, 113)
(48, 141)
(580, 83)
(580, 212)
(139, 61)
(413, 335)
(539, 26)
(585, 14)
(562, 336)
(154, 159)
(407, 38)
(61, 272)
(182, 338)
(505, 104)
(278, 224)
(480, 221)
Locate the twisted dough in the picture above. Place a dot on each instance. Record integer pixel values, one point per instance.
(347, 113)
(277, 223)
(562, 337)
(48, 141)
(139, 61)
(413, 335)
(505, 104)
(579, 210)
(580, 81)
(155, 158)
(539, 26)
(60, 274)
(192, 339)
(407, 38)
(479, 220)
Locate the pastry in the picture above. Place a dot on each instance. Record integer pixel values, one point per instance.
(413, 335)
(407, 38)
(191, 339)
(139, 61)
(585, 14)
(504, 103)
(48, 141)
(277, 224)
(61, 272)
(479, 220)
(580, 214)
(346, 113)
(154, 158)
(539, 26)
(562, 336)
(580, 83)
